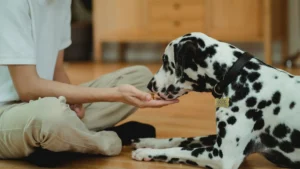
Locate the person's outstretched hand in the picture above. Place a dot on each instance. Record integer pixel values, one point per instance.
(130, 95)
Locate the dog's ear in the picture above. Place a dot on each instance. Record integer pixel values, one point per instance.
(184, 55)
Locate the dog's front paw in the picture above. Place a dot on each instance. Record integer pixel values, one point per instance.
(143, 154)
(144, 143)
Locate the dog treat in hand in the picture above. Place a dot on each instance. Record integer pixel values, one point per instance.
(154, 96)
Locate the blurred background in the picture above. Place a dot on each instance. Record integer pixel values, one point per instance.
(137, 31)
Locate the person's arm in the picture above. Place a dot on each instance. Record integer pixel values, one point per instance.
(30, 86)
(60, 75)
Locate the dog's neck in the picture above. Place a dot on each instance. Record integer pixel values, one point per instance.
(217, 66)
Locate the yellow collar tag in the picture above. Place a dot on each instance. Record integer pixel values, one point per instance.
(222, 102)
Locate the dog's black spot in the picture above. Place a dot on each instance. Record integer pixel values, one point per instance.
(276, 77)
(201, 42)
(163, 90)
(219, 70)
(170, 44)
(209, 149)
(160, 157)
(257, 86)
(292, 105)
(249, 147)
(199, 86)
(267, 130)
(220, 154)
(173, 65)
(190, 139)
(166, 64)
(252, 65)
(217, 119)
(216, 152)
(219, 141)
(235, 109)
(208, 167)
(170, 139)
(281, 130)
(231, 120)
(254, 114)
(241, 92)
(210, 81)
(295, 138)
(259, 124)
(191, 163)
(276, 110)
(173, 160)
(187, 148)
(185, 143)
(268, 140)
(197, 151)
(209, 140)
(232, 47)
(269, 103)
(262, 104)
(280, 160)
(243, 77)
(222, 130)
(222, 124)
(291, 76)
(237, 139)
(276, 97)
(226, 114)
(210, 155)
(286, 147)
(253, 76)
(195, 145)
(237, 54)
(251, 101)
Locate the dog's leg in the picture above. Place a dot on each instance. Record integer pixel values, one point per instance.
(228, 156)
(233, 144)
(191, 142)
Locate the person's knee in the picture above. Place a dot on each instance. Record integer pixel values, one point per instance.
(50, 113)
(143, 71)
(142, 76)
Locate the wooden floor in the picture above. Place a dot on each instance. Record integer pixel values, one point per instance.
(193, 116)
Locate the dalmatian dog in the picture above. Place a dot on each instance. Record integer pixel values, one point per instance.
(262, 115)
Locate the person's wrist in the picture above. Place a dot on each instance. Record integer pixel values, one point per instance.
(116, 95)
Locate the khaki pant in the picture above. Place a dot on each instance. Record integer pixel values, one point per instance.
(50, 123)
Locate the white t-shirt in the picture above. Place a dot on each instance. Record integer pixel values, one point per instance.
(31, 33)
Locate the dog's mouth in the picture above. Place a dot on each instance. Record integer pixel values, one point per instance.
(169, 97)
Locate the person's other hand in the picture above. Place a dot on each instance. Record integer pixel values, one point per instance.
(130, 95)
(78, 109)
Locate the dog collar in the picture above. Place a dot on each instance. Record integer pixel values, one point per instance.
(232, 73)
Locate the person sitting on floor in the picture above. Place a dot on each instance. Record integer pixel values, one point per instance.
(40, 109)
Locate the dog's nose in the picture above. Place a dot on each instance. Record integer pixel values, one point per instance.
(171, 89)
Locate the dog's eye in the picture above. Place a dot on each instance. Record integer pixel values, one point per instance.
(165, 59)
